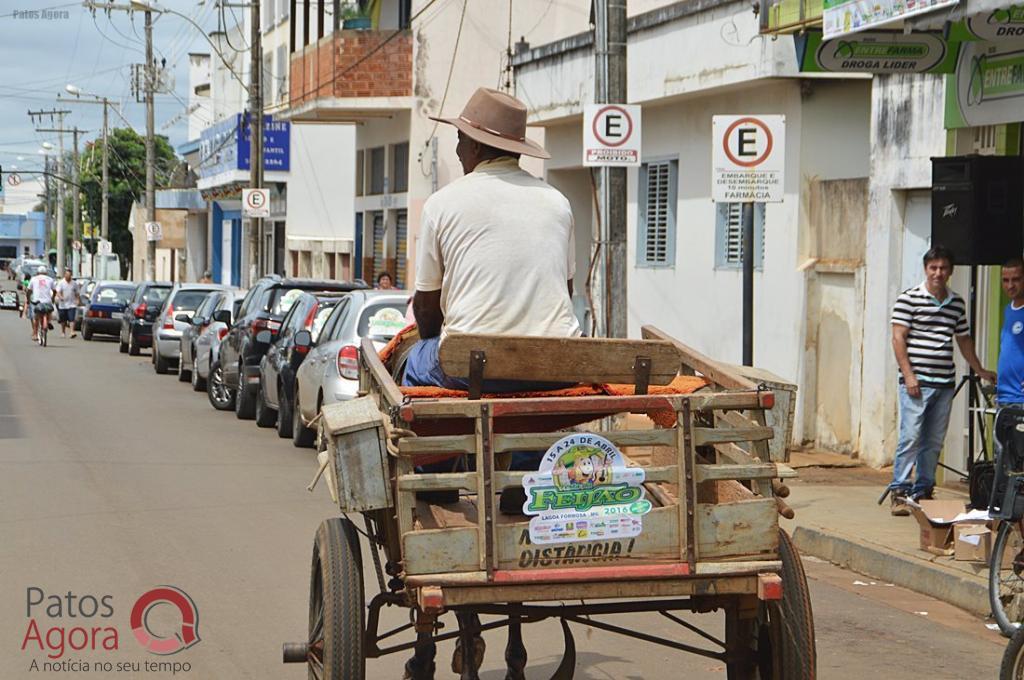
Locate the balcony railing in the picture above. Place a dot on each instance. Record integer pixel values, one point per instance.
(353, 64)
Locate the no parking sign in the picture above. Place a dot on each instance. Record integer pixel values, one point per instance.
(256, 202)
(611, 135)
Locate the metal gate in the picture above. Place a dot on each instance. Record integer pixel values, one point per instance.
(401, 247)
(378, 244)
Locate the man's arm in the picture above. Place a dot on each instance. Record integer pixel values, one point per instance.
(426, 307)
(899, 347)
(966, 345)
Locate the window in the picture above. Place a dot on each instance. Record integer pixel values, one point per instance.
(729, 235)
(656, 226)
(377, 183)
(400, 168)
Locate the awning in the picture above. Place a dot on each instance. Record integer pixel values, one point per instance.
(981, 20)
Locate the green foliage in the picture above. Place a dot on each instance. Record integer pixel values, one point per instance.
(127, 170)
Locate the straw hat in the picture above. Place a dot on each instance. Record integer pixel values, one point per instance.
(496, 119)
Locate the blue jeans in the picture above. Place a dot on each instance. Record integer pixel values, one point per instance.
(923, 424)
(423, 368)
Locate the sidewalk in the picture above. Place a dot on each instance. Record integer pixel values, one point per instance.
(838, 519)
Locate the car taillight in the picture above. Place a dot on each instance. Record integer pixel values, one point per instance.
(169, 317)
(222, 332)
(348, 362)
(140, 311)
(91, 314)
(265, 325)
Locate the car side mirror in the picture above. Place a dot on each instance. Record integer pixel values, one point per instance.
(183, 318)
(264, 337)
(223, 316)
(303, 340)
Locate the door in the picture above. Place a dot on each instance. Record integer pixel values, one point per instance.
(401, 247)
(917, 234)
(378, 244)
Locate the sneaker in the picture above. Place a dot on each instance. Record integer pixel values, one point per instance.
(924, 496)
(898, 505)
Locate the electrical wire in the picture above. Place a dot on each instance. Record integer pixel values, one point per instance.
(451, 70)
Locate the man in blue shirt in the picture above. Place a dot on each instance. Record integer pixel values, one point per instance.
(1010, 384)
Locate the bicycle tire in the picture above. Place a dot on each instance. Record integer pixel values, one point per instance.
(1007, 603)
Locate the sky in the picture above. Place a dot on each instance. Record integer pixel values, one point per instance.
(47, 44)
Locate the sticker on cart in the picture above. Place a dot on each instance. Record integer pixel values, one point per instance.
(583, 491)
(386, 323)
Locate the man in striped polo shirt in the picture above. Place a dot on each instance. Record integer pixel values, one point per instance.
(925, 319)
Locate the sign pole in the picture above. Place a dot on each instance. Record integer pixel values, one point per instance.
(748, 284)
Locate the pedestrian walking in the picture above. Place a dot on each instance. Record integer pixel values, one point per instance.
(41, 291)
(1010, 370)
(925, 320)
(68, 293)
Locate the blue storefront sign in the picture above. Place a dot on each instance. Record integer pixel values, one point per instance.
(224, 146)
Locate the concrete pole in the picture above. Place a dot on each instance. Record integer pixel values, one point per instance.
(62, 173)
(48, 214)
(150, 77)
(76, 203)
(255, 224)
(609, 291)
(104, 210)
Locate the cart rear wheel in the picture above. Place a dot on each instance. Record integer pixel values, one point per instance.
(336, 604)
(779, 641)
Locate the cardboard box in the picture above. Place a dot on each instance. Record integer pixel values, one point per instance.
(972, 542)
(936, 521)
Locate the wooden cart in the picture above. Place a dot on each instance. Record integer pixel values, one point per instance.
(710, 540)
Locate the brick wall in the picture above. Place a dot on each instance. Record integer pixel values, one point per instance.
(339, 66)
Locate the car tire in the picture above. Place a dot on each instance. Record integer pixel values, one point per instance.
(133, 346)
(184, 374)
(160, 364)
(220, 395)
(122, 346)
(198, 382)
(265, 416)
(245, 400)
(86, 333)
(302, 436)
(284, 414)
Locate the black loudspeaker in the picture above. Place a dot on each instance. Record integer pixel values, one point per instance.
(977, 211)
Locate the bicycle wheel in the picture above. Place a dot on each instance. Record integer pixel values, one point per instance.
(1013, 658)
(1006, 578)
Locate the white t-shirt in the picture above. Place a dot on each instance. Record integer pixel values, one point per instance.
(67, 294)
(41, 287)
(498, 243)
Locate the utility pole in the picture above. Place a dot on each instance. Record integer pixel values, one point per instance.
(256, 135)
(76, 204)
(105, 102)
(610, 81)
(150, 82)
(46, 205)
(58, 115)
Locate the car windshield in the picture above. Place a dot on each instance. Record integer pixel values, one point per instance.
(189, 300)
(382, 321)
(113, 295)
(281, 300)
(156, 296)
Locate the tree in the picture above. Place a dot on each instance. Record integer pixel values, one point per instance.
(127, 170)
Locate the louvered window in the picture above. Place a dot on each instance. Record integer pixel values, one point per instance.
(656, 227)
(729, 235)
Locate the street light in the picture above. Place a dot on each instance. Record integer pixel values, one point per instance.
(71, 89)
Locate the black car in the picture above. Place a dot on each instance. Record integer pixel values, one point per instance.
(137, 324)
(263, 309)
(277, 368)
(104, 309)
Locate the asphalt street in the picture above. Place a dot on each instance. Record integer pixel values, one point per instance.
(115, 480)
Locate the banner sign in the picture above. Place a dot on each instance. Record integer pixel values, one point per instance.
(224, 146)
(876, 52)
(988, 86)
(998, 25)
(842, 17)
(583, 491)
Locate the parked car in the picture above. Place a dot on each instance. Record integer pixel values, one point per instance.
(137, 324)
(104, 312)
(263, 309)
(203, 333)
(86, 286)
(29, 268)
(330, 372)
(174, 317)
(277, 368)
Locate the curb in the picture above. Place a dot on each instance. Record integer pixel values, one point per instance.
(959, 589)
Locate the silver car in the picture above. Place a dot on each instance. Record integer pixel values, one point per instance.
(330, 372)
(174, 317)
(200, 344)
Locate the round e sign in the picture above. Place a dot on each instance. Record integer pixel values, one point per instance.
(613, 126)
(747, 142)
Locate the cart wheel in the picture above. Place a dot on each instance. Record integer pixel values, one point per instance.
(1013, 658)
(1006, 578)
(336, 604)
(777, 644)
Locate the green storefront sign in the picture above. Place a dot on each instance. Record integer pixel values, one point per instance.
(844, 17)
(988, 85)
(876, 52)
